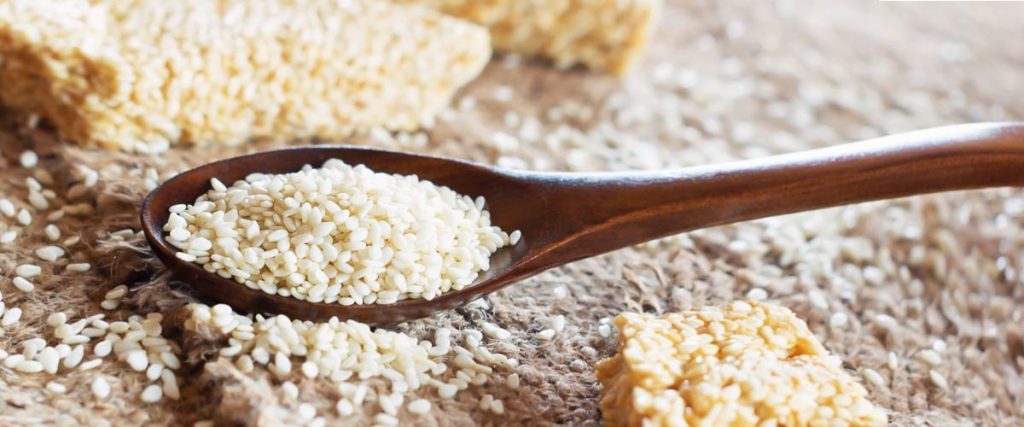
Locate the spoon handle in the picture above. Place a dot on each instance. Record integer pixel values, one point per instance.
(607, 211)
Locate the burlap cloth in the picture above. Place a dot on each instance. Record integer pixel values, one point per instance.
(724, 80)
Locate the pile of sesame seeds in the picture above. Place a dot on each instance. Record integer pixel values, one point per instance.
(338, 234)
(351, 354)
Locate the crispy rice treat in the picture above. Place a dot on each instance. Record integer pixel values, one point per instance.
(607, 35)
(142, 74)
(748, 364)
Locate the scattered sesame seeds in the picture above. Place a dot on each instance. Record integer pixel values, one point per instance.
(545, 334)
(407, 363)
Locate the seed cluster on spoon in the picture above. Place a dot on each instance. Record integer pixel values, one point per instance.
(338, 233)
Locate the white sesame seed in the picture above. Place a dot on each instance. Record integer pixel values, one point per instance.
(306, 411)
(838, 320)
(28, 159)
(89, 364)
(513, 380)
(56, 387)
(152, 393)
(49, 253)
(419, 406)
(170, 360)
(56, 319)
(11, 317)
(546, 334)
(153, 371)
(558, 323)
(74, 357)
(817, 299)
(886, 321)
(938, 379)
(873, 377)
(117, 292)
(137, 359)
(170, 385)
(29, 367)
(930, 357)
(50, 360)
(28, 270)
(100, 388)
(344, 407)
(79, 267)
(498, 407)
(7, 208)
(24, 217)
(23, 285)
(52, 232)
(38, 201)
(55, 216)
(494, 331)
(310, 370)
(757, 294)
(8, 236)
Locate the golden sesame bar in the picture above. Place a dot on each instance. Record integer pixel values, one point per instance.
(748, 364)
(607, 35)
(142, 74)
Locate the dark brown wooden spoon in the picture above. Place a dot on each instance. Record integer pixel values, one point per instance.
(569, 216)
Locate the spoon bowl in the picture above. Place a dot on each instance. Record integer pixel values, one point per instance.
(564, 217)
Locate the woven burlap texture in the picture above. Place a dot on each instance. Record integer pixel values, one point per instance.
(723, 81)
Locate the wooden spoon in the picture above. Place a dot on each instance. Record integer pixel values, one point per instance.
(569, 216)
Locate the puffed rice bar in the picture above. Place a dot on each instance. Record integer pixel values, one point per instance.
(748, 364)
(607, 35)
(142, 74)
